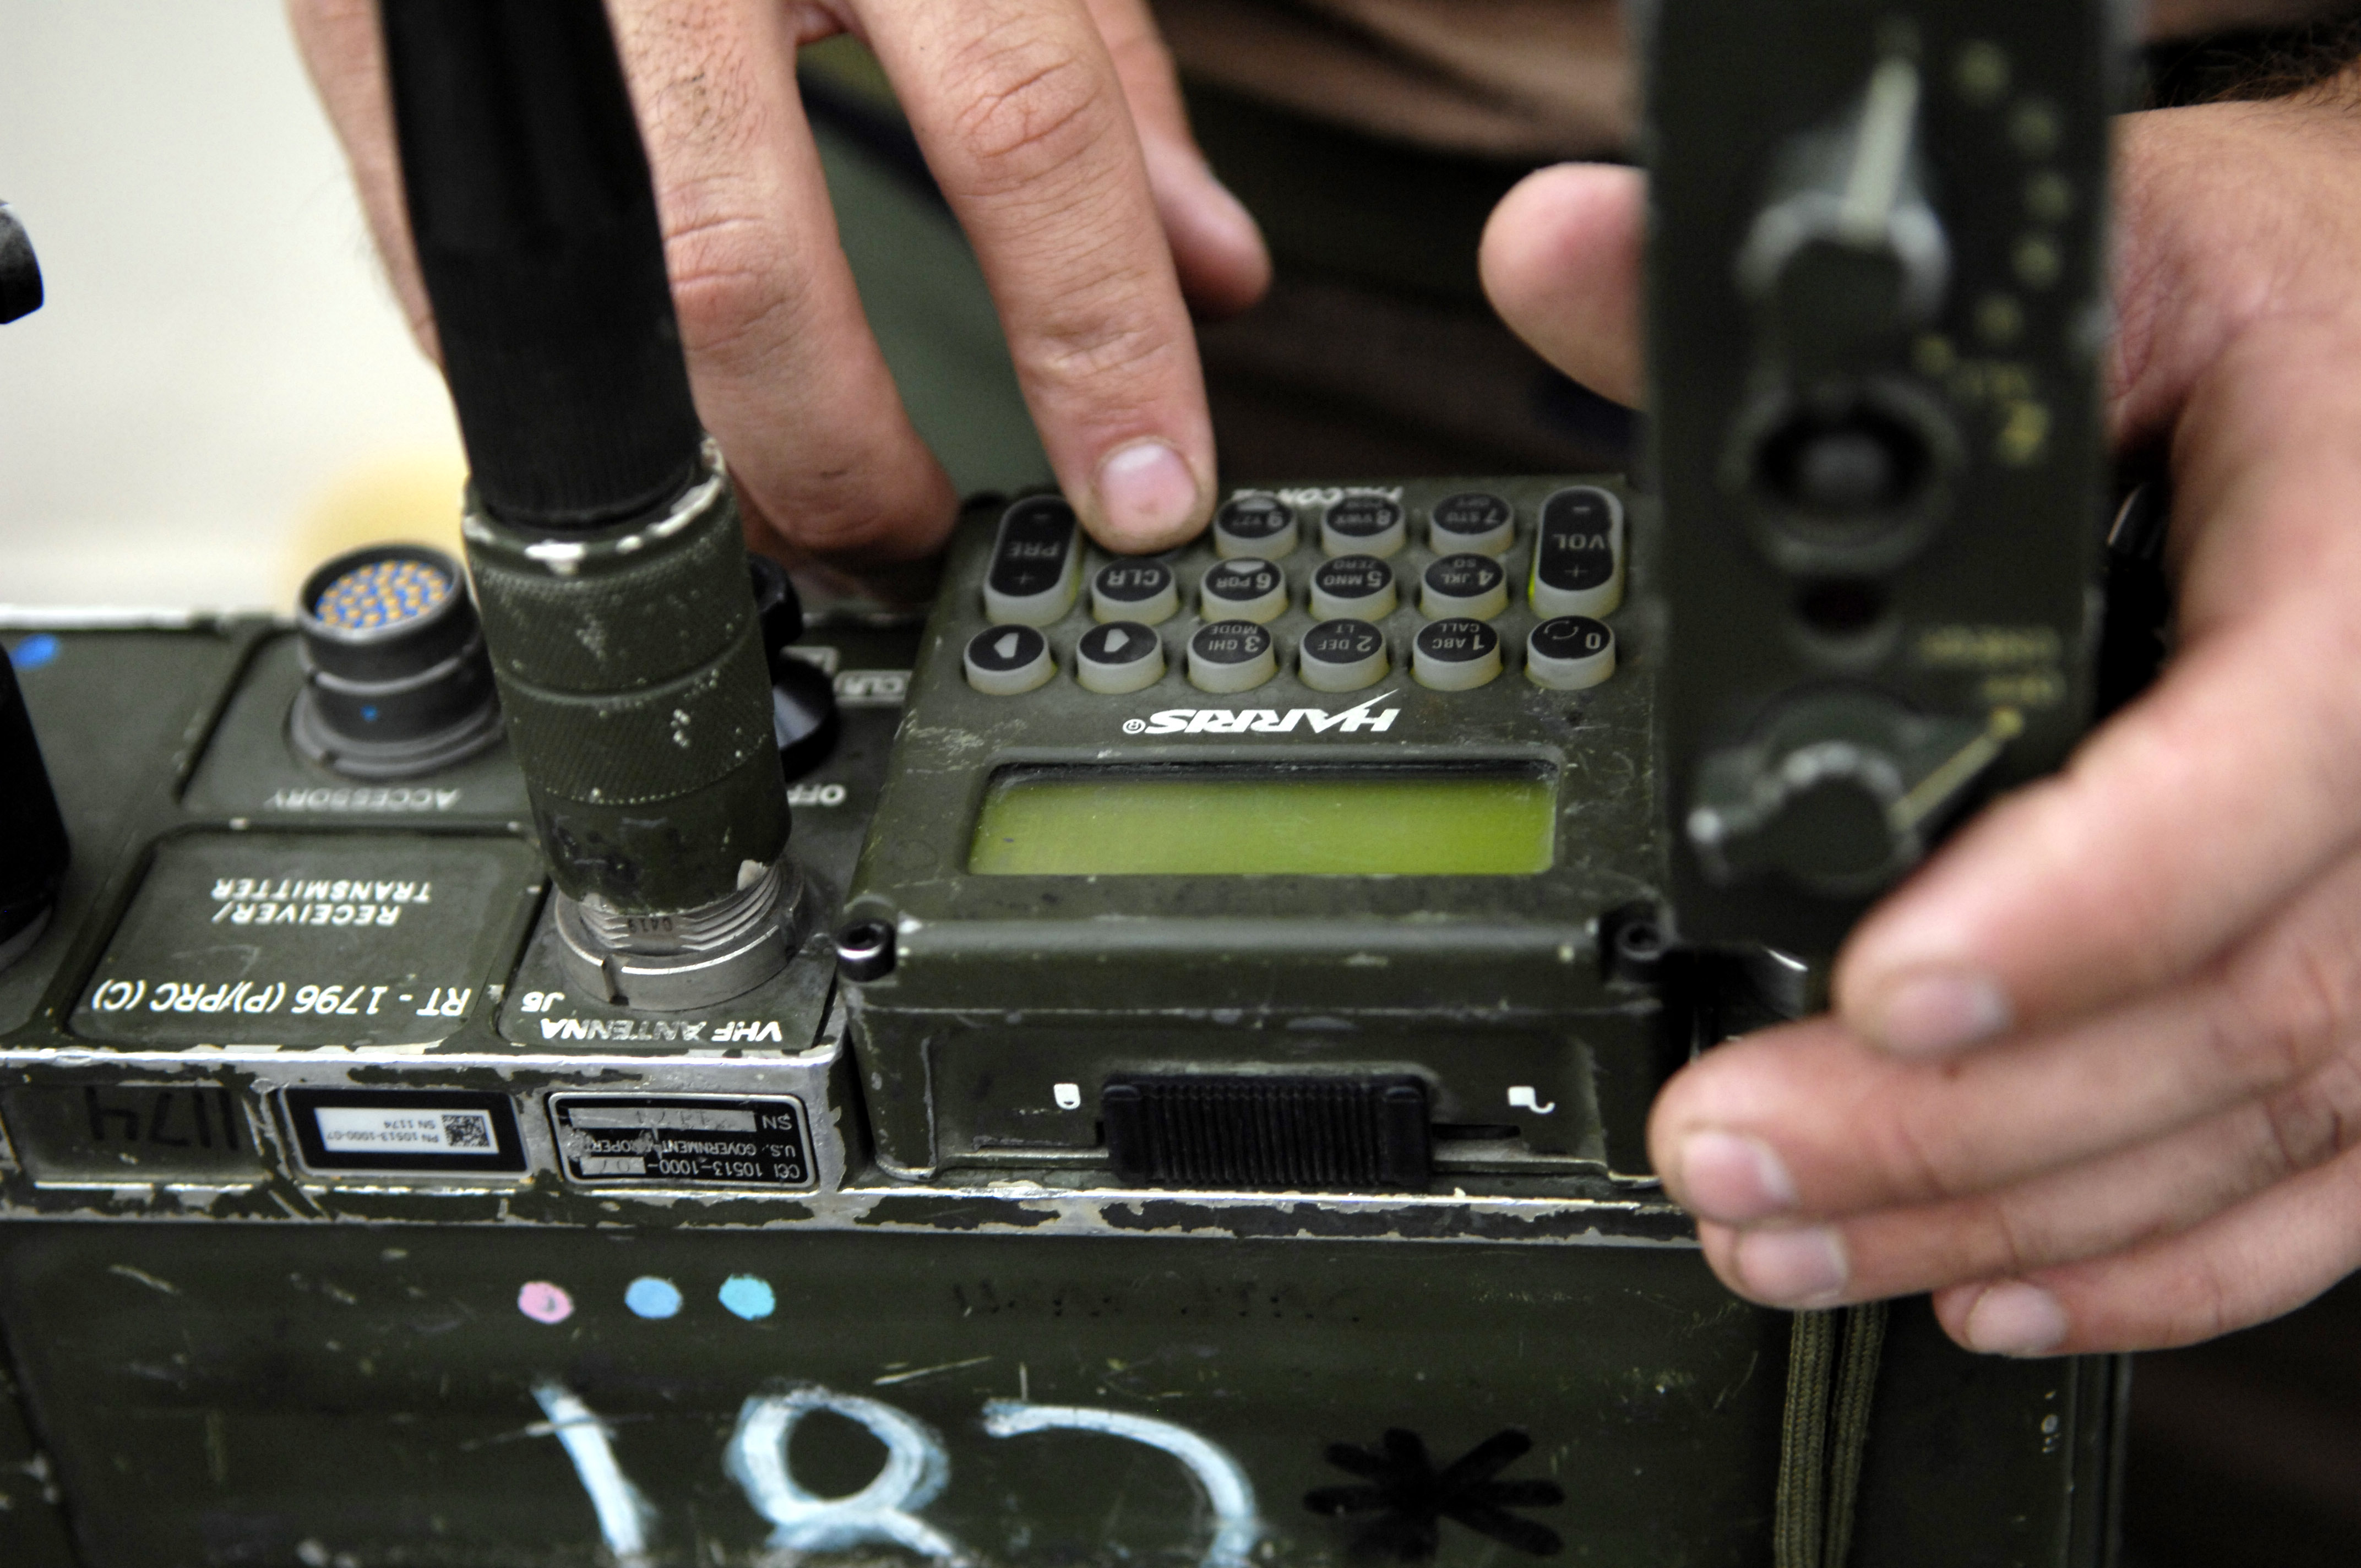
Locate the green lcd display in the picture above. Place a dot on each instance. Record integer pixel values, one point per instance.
(1216, 821)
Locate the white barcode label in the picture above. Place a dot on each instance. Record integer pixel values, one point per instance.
(361, 1130)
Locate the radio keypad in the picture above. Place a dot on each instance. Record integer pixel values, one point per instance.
(1358, 588)
(1467, 585)
(1570, 652)
(1244, 589)
(1247, 633)
(1118, 657)
(1579, 553)
(1037, 564)
(1342, 655)
(1231, 656)
(1008, 661)
(1455, 655)
(1144, 591)
(1363, 525)
(1254, 525)
(1473, 520)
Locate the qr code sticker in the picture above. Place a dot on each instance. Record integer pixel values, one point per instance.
(467, 1129)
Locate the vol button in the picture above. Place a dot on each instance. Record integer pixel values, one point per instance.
(1579, 553)
(1005, 661)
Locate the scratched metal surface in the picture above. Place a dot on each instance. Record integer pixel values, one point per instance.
(221, 1394)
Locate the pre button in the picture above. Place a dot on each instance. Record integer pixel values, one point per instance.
(1144, 591)
(1570, 652)
(1231, 656)
(1342, 656)
(1455, 655)
(1257, 526)
(1121, 656)
(1363, 525)
(1244, 589)
(1005, 661)
(1468, 584)
(1037, 564)
(1358, 586)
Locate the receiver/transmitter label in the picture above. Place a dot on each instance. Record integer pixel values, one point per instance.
(693, 1140)
(307, 939)
(404, 1130)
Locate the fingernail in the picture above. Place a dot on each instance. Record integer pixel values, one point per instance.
(1802, 1267)
(1146, 492)
(2016, 1319)
(1937, 1011)
(1733, 1179)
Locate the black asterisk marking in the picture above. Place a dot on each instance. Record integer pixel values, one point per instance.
(1411, 1498)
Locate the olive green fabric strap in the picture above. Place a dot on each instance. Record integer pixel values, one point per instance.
(1832, 1361)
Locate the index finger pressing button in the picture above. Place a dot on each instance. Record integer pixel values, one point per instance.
(1006, 661)
(1578, 555)
(1258, 525)
(1361, 587)
(1467, 585)
(1144, 591)
(1570, 652)
(1455, 655)
(1473, 520)
(1363, 525)
(1342, 655)
(1244, 589)
(1037, 564)
(1121, 656)
(1231, 656)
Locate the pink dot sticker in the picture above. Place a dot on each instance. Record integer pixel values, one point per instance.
(545, 1302)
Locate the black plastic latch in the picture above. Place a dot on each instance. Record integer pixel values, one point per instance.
(1269, 1133)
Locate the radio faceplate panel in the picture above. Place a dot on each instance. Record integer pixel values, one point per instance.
(1352, 872)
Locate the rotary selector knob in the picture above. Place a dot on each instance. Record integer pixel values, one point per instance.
(1849, 243)
(1839, 792)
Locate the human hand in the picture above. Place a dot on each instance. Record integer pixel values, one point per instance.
(2094, 1073)
(1055, 130)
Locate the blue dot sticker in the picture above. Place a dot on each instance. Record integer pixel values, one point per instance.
(34, 652)
(652, 1298)
(748, 1296)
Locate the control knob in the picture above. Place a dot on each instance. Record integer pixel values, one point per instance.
(1839, 792)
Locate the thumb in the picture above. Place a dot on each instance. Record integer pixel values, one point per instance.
(1561, 261)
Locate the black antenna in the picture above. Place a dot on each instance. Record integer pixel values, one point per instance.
(536, 229)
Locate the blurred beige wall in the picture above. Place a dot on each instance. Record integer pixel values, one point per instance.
(219, 389)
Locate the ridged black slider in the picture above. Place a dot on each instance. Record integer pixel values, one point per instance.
(1273, 1133)
(396, 681)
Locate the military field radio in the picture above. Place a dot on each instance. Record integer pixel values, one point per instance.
(1178, 1091)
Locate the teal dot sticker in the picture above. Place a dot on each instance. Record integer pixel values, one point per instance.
(652, 1298)
(748, 1296)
